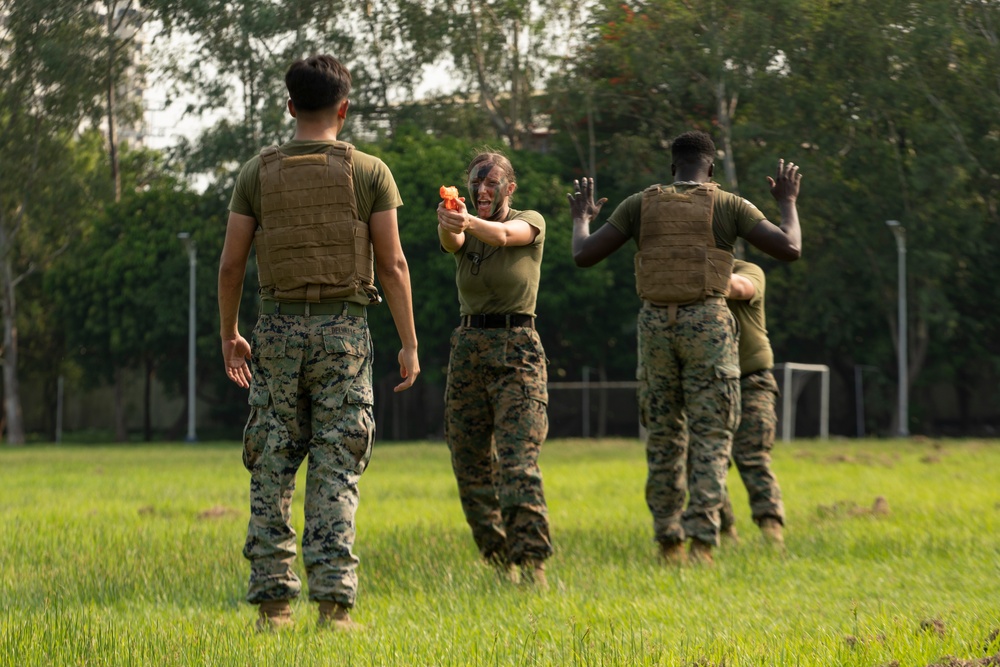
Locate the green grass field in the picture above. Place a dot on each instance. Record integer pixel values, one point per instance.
(132, 556)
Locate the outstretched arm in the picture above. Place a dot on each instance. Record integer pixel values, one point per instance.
(784, 242)
(454, 224)
(589, 249)
(394, 275)
(232, 268)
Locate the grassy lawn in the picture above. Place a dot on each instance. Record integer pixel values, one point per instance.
(131, 555)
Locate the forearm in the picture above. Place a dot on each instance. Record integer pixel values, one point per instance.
(582, 251)
(790, 222)
(395, 281)
(489, 232)
(230, 293)
(449, 241)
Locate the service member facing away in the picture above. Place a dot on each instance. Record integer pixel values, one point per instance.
(754, 439)
(496, 395)
(318, 212)
(688, 368)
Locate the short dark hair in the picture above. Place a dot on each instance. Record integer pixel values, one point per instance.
(692, 148)
(317, 83)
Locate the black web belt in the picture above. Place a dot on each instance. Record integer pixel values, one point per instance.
(491, 321)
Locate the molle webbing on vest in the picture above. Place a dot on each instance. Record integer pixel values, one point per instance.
(678, 262)
(311, 246)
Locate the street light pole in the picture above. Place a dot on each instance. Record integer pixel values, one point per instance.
(904, 418)
(192, 251)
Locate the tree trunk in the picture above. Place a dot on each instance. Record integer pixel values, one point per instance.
(147, 402)
(121, 433)
(116, 178)
(487, 100)
(11, 386)
(727, 109)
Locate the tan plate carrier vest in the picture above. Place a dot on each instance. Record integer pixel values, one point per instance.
(678, 262)
(311, 244)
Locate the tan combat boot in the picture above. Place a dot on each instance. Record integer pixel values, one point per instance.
(673, 553)
(273, 615)
(533, 574)
(700, 553)
(770, 528)
(729, 536)
(336, 616)
(506, 572)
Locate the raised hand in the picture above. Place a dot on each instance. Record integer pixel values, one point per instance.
(581, 201)
(785, 184)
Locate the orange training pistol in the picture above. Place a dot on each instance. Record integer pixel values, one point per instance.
(449, 193)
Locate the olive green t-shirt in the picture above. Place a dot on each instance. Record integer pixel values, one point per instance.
(732, 216)
(500, 280)
(374, 187)
(755, 348)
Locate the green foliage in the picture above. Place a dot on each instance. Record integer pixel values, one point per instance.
(654, 70)
(503, 54)
(866, 100)
(855, 588)
(121, 294)
(241, 53)
(889, 109)
(50, 65)
(879, 146)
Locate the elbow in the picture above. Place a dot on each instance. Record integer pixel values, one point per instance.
(393, 273)
(581, 257)
(230, 273)
(788, 253)
(793, 253)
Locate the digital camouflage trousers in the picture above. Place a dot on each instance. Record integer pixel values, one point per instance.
(495, 423)
(752, 446)
(689, 402)
(311, 394)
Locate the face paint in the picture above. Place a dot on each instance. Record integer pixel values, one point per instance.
(487, 190)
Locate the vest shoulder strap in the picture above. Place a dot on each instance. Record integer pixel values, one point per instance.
(341, 149)
(269, 154)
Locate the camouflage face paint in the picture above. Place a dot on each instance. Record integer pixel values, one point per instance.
(487, 190)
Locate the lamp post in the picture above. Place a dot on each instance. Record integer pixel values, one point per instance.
(192, 251)
(904, 418)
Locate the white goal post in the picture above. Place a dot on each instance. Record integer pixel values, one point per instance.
(784, 372)
(789, 397)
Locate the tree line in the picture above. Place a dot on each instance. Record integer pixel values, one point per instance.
(889, 109)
